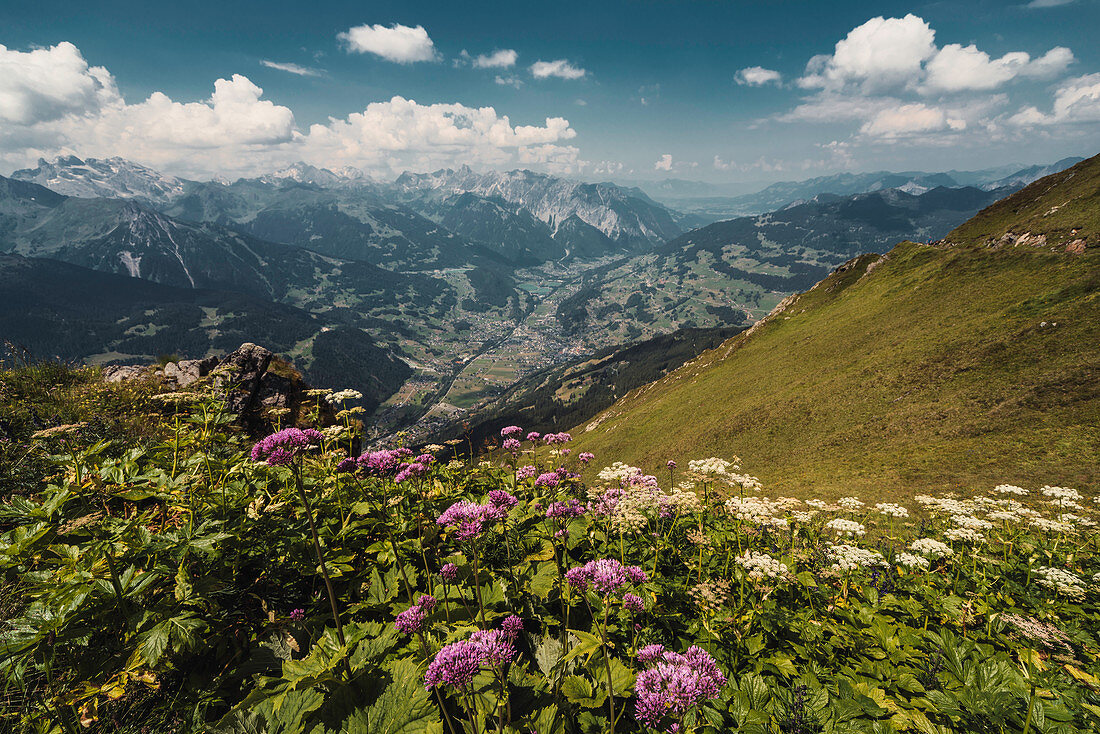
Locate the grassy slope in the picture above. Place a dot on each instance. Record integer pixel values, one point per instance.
(931, 371)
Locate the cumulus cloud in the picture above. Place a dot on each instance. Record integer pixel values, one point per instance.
(956, 68)
(508, 81)
(1075, 101)
(664, 163)
(908, 119)
(291, 68)
(757, 76)
(237, 132)
(501, 59)
(560, 68)
(401, 44)
(881, 52)
(48, 83)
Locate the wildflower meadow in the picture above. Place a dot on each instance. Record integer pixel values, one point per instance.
(204, 581)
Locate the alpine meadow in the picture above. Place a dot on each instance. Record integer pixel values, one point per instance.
(694, 368)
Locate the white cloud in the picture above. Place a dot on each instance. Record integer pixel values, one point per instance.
(1048, 3)
(291, 68)
(908, 119)
(502, 59)
(757, 76)
(401, 44)
(664, 163)
(1076, 100)
(721, 165)
(560, 68)
(237, 132)
(49, 83)
(956, 68)
(880, 53)
(508, 81)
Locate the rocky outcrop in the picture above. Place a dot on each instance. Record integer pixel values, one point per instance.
(254, 380)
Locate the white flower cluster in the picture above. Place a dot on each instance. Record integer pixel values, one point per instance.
(947, 505)
(761, 566)
(617, 473)
(931, 547)
(341, 396)
(1050, 526)
(744, 480)
(911, 561)
(758, 510)
(971, 522)
(964, 535)
(1061, 493)
(849, 557)
(803, 516)
(891, 510)
(817, 504)
(334, 432)
(850, 503)
(1009, 489)
(1061, 581)
(712, 467)
(683, 500)
(1071, 519)
(845, 527)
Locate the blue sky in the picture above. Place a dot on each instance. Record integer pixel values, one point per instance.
(712, 90)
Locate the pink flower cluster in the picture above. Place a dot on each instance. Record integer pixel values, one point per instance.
(510, 430)
(586, 456)
(511, 444)
(526, 472)
(674, 684)
(279, 449)
(457, 663)
(384, 462)
(604, 576)
(557, 438)
(411, 620)
(469, 518)
(565, 509)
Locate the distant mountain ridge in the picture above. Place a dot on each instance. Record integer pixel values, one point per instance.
(698, 199)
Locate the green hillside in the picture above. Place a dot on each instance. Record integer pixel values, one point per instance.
(956, 365)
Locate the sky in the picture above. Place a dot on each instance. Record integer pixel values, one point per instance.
(710, 90)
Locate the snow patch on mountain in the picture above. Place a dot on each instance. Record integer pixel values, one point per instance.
(111, 178)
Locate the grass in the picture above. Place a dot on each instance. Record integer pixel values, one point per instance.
(931, 371)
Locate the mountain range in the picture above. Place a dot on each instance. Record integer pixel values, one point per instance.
(471, 281)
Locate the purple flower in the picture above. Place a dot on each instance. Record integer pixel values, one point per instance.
(671, 464)
(586, 456)
(556, 438)
(279, 449)
(410, 621)
(425, 459)
(457, 663)
(605, 576)
(533, 436)
(511, 444)
(565, 509)
(675, 684)
(512, 626)
(633, 603)
(650, 653)
(526, 472)
(549, 479)
(297, 615)
(346, 465)
(427, 602)
(467, 516)
(500, 504)
(509, 430)
(384, 462)
(449, 573)
(415, 469)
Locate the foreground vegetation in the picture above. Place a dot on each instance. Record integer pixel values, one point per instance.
(161, 574)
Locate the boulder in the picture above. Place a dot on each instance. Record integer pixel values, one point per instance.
(123, 372)
(188, 371)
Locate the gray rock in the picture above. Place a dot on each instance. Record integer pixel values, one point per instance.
(123, 372)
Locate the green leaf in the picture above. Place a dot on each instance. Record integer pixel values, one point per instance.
(581, 692)
(183, 584)
(783, 665)
(154, 643)
(622, 678)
